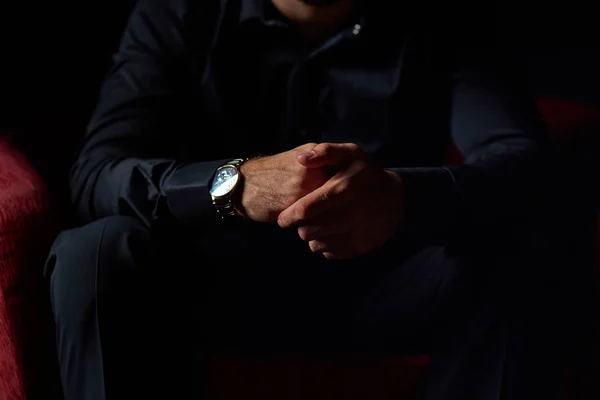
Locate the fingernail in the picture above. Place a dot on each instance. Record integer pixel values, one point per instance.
(307, 156)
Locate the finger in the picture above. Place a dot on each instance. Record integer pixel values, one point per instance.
(333, 255)
(311, 205)
(304, 158)
(330, 154)
(332, 244)
(333, 248)
(317, 246)
(324, 227)
(344, 246)
(339, 251)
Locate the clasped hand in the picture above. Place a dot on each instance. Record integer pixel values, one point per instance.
(354, 212)
(340, 202)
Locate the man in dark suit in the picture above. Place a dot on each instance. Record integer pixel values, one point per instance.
(267, 177)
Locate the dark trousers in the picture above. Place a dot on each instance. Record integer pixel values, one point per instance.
(136, 309)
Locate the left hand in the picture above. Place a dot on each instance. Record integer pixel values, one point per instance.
(355, 212)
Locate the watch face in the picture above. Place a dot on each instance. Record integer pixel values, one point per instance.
(224, 181)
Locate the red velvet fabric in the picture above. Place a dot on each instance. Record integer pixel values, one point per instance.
(23, 204)
(301, 378)
(566, 119)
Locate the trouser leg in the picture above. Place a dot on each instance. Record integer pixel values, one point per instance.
(511, 335)
(493, 318)
(554, 301)
(118, 333)
(125, 313)
(130, 306)
(470, 338)
(444, 303)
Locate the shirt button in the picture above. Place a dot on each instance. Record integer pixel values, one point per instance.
(356, 30)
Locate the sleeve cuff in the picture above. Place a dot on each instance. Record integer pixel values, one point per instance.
(431, 203)
(187, 192)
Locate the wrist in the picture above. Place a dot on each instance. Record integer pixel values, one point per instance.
(237, 195)
(240, 192)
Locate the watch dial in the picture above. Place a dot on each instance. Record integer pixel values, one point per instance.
(224, 181)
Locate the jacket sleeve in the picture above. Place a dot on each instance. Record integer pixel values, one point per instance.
(496, 125)
(130, 163)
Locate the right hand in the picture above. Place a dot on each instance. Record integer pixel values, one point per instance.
(272, 184)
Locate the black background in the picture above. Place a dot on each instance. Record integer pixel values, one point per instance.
(54, 54)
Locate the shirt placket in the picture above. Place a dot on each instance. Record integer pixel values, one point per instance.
(297, 129)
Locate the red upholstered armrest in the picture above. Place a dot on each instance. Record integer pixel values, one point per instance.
(24, 238)
(567, 121)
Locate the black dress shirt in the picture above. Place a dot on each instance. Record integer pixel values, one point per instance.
(197, 83)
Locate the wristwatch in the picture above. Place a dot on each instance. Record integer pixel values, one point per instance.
(227, 177)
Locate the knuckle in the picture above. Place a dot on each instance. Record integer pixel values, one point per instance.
(353, 146)
(340, 188)
(355, 149)
(325, 148)
(307, 147)
(325, 196)
(301, 212)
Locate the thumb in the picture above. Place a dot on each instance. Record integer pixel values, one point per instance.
(329, 154)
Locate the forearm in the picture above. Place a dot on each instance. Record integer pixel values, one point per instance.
(133, 161)
(457, 201)
(149, 189)
(144, 150)
(497, 127)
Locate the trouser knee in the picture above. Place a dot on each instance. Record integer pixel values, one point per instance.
(95, 258)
